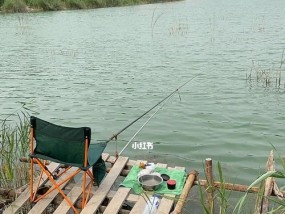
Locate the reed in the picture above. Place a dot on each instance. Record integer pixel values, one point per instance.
(268, 77)
(266, 181)
(220, 198)
(222, 195)
(265, 193)
(14, 143)
(50, 5)
(17, 6)
(53, 5)
(203, 200)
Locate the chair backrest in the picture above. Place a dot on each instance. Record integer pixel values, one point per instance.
(60, 144)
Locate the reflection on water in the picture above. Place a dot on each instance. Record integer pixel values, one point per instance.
(103, 68)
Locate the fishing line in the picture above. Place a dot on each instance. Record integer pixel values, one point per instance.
(115, 136)
(143, 125)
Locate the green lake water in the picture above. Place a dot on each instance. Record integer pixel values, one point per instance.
(105, 67)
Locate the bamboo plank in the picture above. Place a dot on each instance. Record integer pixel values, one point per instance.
(105, 156)
(161, 165)
(132, 198)
(41, 205)
(139, 206)
(73, 195)
(141, 203)
(122, 211)
(25, 196)
(209, 177)
(116, 203)
(165, 203)
(268, 186)
(105, 186)
(187, 187)
(111, 159)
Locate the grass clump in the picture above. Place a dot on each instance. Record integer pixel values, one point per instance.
(53, 5)
(76, 4)
(14, 143)
(17, 6)
(47, 5)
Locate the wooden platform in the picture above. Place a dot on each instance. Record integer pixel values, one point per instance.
(108, 198)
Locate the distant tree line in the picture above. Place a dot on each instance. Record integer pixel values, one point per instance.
(52, 5)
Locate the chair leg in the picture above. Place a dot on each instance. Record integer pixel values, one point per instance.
(56, 185)
(85, 195)
(63, 194)
(35, 192)
(88, 194)
(31, 179)
(83, 190)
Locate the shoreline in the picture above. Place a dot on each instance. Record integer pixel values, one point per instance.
(21, 6)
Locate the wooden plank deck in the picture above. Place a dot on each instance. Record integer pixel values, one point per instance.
(116, 203)
(101, 193)
(108, 198)
(73, 195)
(44, 203)
(22, 200)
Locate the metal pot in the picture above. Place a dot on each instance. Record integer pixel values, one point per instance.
(150, 182)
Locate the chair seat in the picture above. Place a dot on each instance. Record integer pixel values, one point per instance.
(94, 153)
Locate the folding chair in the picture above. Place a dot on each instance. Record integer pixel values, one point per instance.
(63, 145)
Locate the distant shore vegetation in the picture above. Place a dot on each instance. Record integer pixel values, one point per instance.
(21, 6)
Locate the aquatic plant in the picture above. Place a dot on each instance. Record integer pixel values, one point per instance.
(268, 191)
(50, 5)
(268, 77)
(219, 197)
(18, 6)
(53, 5)
(14, 143)
(222, 195)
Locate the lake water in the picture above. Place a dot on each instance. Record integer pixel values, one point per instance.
(103, 68)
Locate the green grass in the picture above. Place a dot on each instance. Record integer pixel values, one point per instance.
(222, 195)
(14, 6)
(14, 143)
(53, 5)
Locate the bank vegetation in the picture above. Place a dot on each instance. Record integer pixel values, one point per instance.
(53, 5)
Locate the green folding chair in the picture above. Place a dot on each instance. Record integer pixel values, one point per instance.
(65, 145)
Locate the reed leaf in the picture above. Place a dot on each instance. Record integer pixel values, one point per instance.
(240, 204)
(275, 174)
(222, 194)
(278, 201)
(202, 198)
(14, 143)
(282, 160)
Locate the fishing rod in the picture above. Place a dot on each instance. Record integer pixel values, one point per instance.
(115, 136)
(142, 127)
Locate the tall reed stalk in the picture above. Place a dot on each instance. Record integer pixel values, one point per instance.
(53, 5)
(277, 205)
(222, 195)
(14, 143)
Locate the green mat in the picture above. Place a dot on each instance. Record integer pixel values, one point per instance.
(179, 176)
